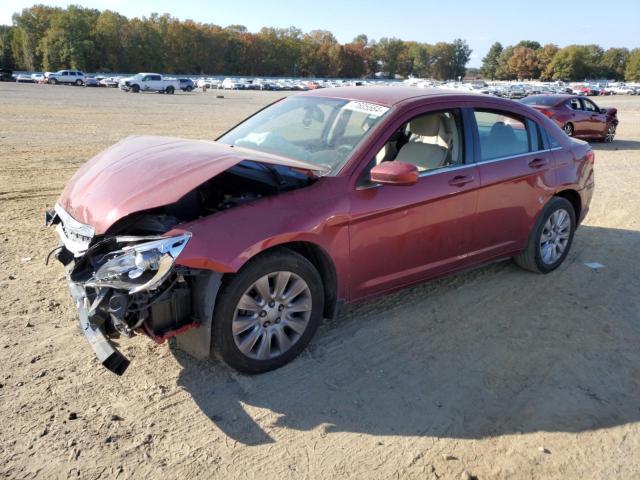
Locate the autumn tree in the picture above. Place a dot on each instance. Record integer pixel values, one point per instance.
(545, 57)
(523, 63)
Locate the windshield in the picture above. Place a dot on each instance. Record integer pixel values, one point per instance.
(317, 130)
(546, 100)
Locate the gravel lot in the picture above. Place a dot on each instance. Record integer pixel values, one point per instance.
(495, 372)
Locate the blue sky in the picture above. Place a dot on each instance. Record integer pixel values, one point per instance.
(609, 24)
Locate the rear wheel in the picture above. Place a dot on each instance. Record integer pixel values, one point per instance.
(79, 83)
(568, 129)
(267, 313)
(170, 90)
(551, 237)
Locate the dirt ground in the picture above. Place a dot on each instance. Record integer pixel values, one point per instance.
(495, 372)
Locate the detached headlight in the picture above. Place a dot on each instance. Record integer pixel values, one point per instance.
(139, 267)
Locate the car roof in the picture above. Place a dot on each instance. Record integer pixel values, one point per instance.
(386, 95)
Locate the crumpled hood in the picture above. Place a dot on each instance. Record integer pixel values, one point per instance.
(143, 172)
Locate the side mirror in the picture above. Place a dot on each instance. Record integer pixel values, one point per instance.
(395, 173)
(603, 110)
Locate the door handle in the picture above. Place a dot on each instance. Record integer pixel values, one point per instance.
(538, 163)
(460, 180)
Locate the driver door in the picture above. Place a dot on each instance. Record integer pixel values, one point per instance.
(404, 234)
(596, 121)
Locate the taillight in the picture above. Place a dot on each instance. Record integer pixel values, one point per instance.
(548, 113)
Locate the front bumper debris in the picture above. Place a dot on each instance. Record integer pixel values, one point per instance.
(94, 332)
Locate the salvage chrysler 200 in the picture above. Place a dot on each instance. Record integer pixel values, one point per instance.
(241, 246)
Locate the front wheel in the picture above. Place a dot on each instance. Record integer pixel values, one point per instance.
(610, 135)
(267, 313)
(551, 237)
(53, 81)
(135, 88)
(568, 129)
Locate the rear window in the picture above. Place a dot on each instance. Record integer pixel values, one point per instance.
(502, 135)
(546, 100)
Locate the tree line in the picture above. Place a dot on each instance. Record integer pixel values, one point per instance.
(50, 38)
(530, 60)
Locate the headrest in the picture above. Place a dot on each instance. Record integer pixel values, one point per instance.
(426, 125)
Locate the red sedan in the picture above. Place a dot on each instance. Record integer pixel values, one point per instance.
(578, 116)
(242, 245)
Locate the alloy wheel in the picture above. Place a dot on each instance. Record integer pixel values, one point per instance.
(555, 236)
(611, 133)
(568, 129)
(272, 315)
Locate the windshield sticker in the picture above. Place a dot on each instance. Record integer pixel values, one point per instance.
(364, 107)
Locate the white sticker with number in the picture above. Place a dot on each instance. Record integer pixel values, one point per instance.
(365, 107)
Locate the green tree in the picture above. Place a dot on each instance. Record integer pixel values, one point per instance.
(461, 55)
(490, 61)
(632, 72)
(532, 44)
(389, 54)
(614, 62)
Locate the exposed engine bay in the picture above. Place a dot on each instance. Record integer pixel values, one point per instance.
(126, 280)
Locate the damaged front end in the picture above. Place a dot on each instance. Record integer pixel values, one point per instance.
(124, 284)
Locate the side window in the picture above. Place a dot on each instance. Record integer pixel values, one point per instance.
(65, 74)
(155, 77)
(146, 78)
(574, 104)
(501, 135)
(430, 141)
(589, 106)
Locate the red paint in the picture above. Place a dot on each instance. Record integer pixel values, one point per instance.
(160, 339)
(395, 173)
(586, 124)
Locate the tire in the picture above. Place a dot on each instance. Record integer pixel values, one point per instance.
(532, 257)
(135, 88)
(170, 90)
(568, 129)
(188, 89)
(79, 82)
(610, 135)
(53, 81)
(264, 327)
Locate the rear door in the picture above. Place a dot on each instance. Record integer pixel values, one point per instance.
(516, 177)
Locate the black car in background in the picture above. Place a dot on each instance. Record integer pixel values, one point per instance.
(6, 75)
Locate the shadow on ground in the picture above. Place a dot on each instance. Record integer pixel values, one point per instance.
(616, 145)
(488, 352)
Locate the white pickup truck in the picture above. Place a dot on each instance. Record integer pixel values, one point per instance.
(149, 82)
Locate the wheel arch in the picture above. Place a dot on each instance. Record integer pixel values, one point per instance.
(574, 198)
(322, 261)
